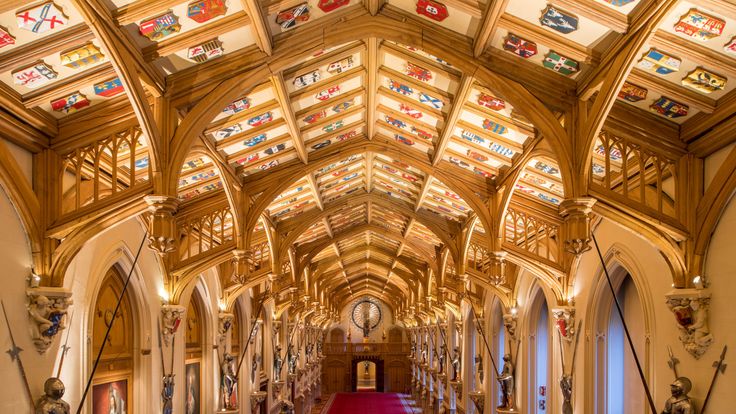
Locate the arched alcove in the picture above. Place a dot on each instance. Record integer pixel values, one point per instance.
(539, 354)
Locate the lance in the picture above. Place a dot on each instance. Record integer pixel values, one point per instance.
(673, 361)
(247, 344)
(14, 353)
(434, 348)
(720, 368)
(575, 348)
(444, 338)
(109, 326)
(626, 328)
(485, 341)
(65, 347)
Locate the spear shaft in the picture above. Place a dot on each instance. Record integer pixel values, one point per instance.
(720, 367)
(14, 353)
(65, 347)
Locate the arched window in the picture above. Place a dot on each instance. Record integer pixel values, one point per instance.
(539, 334)
(112, 389)
(617, 374)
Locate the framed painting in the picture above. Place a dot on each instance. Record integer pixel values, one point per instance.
(194, 387)
(111, 396)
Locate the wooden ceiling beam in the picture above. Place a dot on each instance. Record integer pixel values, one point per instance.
(258, 25)
(597, 12)
(288, 113)
(68, 85)
(372, 89)
(558, 43)
(466, 84)
(11, 101)
(696, 52)
(196, 36)
(138, 10)
(315, 193)
(487, 28)
(52, 44)
(689, 96)
(126, 66)
(424, 191)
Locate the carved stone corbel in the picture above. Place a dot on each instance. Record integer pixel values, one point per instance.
(47, 307)
(162, 231)
(256, 399)
(565, 322)
(510, 321)
(575, 213)
(225, 323)
(479, 399)
(171, 316)
(690, 307)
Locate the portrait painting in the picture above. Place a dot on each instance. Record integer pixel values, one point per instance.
(192, 375)
(110, 397)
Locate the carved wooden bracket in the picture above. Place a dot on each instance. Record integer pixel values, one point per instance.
(497, 267)
(576, 215)
(162, 231)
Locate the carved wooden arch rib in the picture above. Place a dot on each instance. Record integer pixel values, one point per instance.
(292, 51)
(314, 249)
(329, 263)
(292, 173)
(24, 200)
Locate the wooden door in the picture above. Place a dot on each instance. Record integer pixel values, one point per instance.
(335, 378)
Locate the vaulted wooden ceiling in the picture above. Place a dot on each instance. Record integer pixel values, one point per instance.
(61, 63)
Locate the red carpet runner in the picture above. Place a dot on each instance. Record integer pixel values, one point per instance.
(366, 403)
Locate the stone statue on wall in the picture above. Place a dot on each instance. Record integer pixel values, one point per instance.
(51, 402)
(278, 363)
(292, 360)
(228, 383)
(455, 364)
(167, 394)
(506, 381)
(424, 353)
(566, 387)
(254, 366)
(679, 402)
(479, 367)
(441, 358)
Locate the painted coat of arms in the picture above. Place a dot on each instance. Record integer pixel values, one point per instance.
(34, 76)
(408, 110)
(340, 66)
(404, 140)
(418, 72)
(237, 106)
(699, 25)
(312, 118)
(255, 140)
(558, 20)
(519, 46)
(82, 56)
(658, 62)
(729, 47)
(430, 100)
(42, 18)
(400, 88)
(6, 39)
(228, 131)
(618, 3)
(328, 93)
(307, 79)
(204, 10)
(432, 9)
(70, 103)
(669, 108)
(560, 64)
(330, 5)
(704, 81)
(159, 27)
(491, 102)
(260, 119)
(205, 51)
(632, 93)
(110, 88)
(290, 17)
(494, 127)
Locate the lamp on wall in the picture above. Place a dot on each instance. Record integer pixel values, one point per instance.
(34, 280)
(700, 282)
(164, 295)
